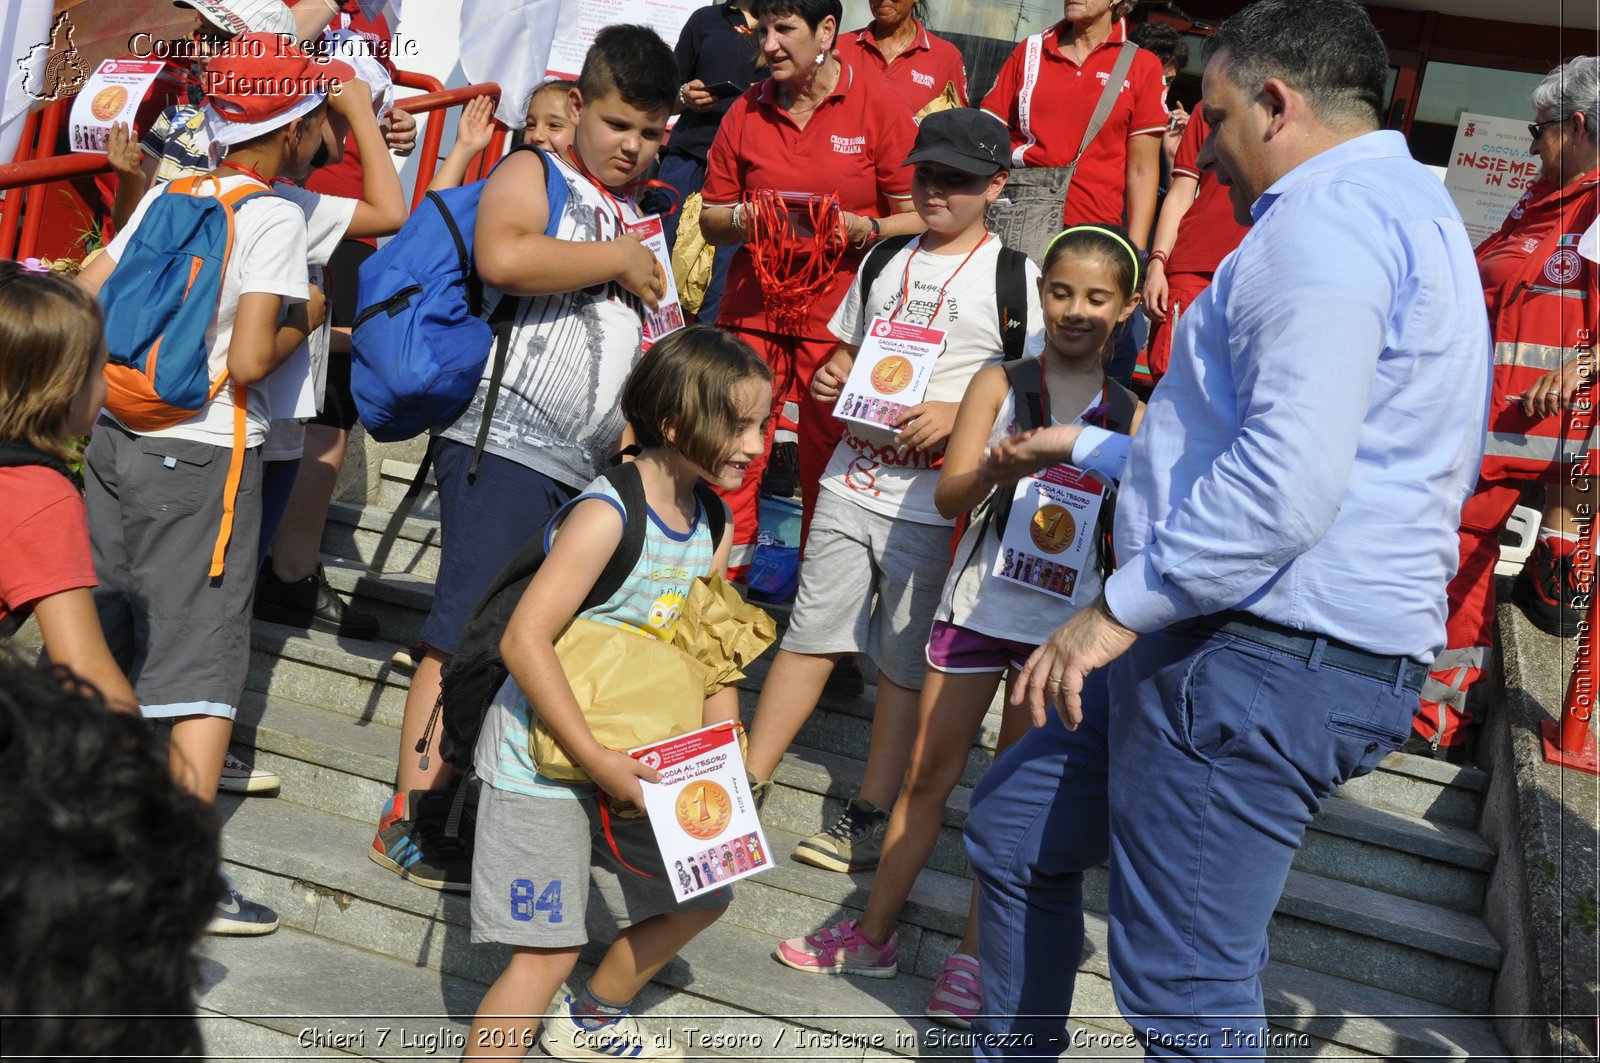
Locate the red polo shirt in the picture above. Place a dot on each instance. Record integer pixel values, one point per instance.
(920, 73)
(1208, 231)
(1048, 112)
(853, 145)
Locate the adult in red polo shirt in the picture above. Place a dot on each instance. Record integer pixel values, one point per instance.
(1194, 235)
(815, 127)
(897, 47)
(1048, 89)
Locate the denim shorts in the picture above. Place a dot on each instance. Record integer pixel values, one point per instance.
(482, 525)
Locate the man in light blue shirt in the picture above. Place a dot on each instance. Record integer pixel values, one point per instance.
(1285, 531)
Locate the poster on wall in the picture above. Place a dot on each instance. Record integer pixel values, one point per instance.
(580, 20)
(1490, 169)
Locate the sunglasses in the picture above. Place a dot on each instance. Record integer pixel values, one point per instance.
(1536, 129)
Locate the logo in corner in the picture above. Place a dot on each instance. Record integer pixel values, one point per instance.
(64, 72)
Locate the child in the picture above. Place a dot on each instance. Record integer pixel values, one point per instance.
(550, 116)
(698, 407)
(52, 351)
(330, 219)
(178, 142)
(987, 625)
(879, 547)
(576, 335)
(157, 499)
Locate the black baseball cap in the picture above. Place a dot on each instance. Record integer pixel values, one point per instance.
(963, 138)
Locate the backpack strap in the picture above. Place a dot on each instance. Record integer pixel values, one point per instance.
(1026, 377)
(502, 321)
(19, 452)
(716, 512)
(1121, 406)
(624, 478)
(231, 201)
(1011, 301)
(879, 257)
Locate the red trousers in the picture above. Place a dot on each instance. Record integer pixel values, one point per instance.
(1469, 630)
(793, 361)
(1182, 289)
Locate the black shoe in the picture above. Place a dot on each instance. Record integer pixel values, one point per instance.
(309, 603)
(782, 476)
(846, 680)
(1459, 752)
(1551, 590)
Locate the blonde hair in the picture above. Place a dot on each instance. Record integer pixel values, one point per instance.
(51, 335)
(686, 384)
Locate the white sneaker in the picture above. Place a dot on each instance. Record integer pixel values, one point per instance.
(241, 778)
(622, 1038)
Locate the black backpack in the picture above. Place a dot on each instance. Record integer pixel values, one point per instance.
(472, 677)
(1026, 378)
(14, 452)
(1010, 288)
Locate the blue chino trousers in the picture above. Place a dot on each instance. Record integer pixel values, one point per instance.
(1218, 753)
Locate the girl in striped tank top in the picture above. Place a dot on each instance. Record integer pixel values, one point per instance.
(697, 406)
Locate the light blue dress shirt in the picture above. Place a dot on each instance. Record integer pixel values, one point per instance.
(1307, 455)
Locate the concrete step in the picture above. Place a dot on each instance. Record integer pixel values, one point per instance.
(311, 866)
(396, 477)
(1371, 847)
(344, 765)
(354, 532)
(351, 677)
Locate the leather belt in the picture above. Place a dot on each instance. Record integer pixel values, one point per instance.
(1301, 645)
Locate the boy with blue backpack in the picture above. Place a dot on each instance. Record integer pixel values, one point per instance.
(575, 334)
(193, 288)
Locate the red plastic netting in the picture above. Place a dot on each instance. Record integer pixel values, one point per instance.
(796, 243)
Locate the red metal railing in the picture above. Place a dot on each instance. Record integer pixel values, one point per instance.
(30, 176)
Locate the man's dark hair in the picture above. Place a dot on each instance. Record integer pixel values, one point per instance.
(1327, 50)
(1162, 41)
(634, 61)
(111, 873)
(811, 11)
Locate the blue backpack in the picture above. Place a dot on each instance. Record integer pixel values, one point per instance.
(158, 303)
(421, 339)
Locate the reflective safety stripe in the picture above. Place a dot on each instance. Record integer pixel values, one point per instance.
(1541, 356)
(1546, 450)
(1447, 680)
(742, 555)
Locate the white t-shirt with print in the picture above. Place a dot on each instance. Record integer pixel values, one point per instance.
(327, 220)
(559, 410)
(875, 475)
(268, 255)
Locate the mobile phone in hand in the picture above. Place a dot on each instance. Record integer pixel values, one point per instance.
(724, 90)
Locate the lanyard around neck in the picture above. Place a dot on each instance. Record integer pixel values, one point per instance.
(905, 280)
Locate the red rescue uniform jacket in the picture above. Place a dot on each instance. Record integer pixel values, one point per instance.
(1542, 300)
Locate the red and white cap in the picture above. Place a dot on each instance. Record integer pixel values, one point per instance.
(261, 81)
(245, 16)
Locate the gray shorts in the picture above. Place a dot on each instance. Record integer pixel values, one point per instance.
(869, 584)
(533, 861)
(155, 509)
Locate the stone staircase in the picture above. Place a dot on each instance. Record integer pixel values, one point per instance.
(1378, 951)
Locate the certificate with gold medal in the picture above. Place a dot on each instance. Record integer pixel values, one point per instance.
(890, 375)
(1049, 537)
(702, 812)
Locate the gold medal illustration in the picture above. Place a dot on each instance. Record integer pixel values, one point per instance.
(703, 810)
(892, 375)
(108, 103)
(1052, 529)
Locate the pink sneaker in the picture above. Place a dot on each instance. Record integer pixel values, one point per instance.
(840, 950)
(957, 994)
